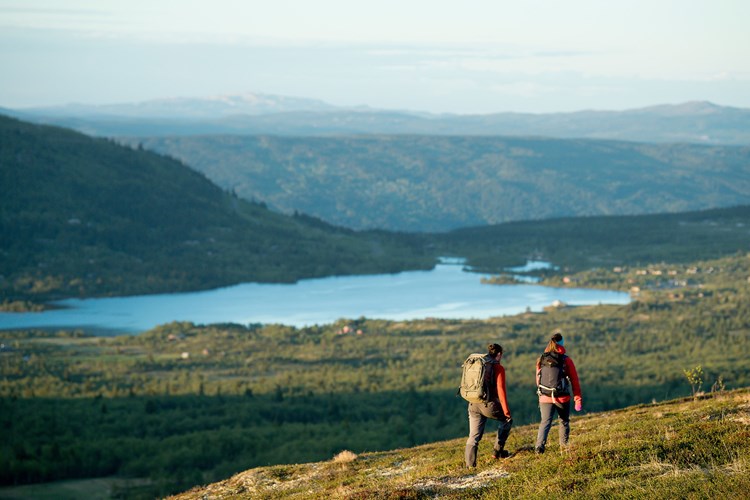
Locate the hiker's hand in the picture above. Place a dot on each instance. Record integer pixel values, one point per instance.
(579, 406)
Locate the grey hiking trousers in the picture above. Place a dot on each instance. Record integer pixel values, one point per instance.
(478, 415)
(547, 411)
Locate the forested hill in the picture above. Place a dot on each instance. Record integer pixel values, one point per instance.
(82, 217)
(438, 183)
(607, 241)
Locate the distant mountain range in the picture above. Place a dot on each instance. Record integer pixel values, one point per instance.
(262, 114)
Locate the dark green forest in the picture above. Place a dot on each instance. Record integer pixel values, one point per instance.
(184, 404)
(429, 183)
(580, 243)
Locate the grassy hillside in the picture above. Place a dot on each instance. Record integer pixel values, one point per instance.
(84, 217)
(678, 449)
(438, 183)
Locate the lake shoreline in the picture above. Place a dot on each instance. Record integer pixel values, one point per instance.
(449, 291)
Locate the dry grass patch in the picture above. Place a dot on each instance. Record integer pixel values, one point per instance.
(345, 457)
(473, 481)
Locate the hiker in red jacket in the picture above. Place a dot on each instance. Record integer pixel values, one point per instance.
(555, 374)
(496, 408)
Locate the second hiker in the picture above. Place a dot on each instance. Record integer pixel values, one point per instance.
(555, 373)
(495, 407)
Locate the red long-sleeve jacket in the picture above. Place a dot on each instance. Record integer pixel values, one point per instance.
(500, 389)
(571, 373)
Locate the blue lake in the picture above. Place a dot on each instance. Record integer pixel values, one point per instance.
(446, 292)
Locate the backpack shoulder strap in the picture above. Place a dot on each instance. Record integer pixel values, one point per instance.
(490, 365)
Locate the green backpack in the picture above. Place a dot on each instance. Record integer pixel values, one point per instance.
(477, 378)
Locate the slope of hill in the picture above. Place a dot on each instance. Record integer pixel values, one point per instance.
(82, 217)
(687, 448)
(433, 183)
(699, 122)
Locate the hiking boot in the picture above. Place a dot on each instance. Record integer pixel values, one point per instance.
(500, 454)
(538, 450)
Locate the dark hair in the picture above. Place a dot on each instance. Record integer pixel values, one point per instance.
(494, 349)
(554, 341)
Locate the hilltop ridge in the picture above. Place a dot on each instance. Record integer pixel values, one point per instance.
(682, 448)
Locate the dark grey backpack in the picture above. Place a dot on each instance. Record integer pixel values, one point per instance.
(552, 380)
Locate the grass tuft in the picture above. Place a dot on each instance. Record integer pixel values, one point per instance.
(345, 456)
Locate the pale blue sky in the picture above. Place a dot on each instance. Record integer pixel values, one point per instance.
(474, 56)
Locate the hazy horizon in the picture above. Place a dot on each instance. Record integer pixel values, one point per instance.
(433, 56)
